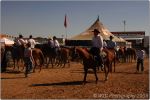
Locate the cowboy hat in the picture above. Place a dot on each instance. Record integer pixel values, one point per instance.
(96, 30)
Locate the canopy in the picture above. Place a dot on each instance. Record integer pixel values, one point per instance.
(6, 41)
(88, 34)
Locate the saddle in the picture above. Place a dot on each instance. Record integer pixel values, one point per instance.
(103, 54)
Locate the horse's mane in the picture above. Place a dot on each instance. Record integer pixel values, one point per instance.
(84, 53)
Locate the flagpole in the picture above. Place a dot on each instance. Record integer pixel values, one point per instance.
(66, 32)
(65, 25)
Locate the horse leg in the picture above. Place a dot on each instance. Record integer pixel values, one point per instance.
(106, 71)
(22, 63)
(114, 65)
(35, 66)
(110, 68)
(14, 63)
(68, 63)
(18, 63)
(85, 74)
(94, 69)
(48, 62)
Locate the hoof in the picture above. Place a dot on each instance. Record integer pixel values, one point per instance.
(84, 83)
(106, 78)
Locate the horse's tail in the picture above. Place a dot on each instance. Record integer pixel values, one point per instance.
(42, 58)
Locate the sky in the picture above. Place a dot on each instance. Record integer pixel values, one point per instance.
(46, 18)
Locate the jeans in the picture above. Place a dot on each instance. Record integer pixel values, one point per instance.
(28, 64)
(140, 62)
(96, 52)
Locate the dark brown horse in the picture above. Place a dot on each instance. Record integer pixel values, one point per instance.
(17, 54)
(88, 62)
(130, 54)
(121, 54)
(48, 52)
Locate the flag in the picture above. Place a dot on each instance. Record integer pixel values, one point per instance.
(65, 21)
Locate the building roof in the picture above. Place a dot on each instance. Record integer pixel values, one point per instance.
(130, 32)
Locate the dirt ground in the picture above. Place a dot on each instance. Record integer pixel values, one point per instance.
(66, 83)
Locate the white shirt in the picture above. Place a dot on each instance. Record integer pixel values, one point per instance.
(21, 42)
(56, 43)
(32, 42)
(97, 41)
(104, 44)
(140, 54)
(51, 43)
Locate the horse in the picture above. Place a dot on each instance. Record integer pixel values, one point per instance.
(49, 53)
(17, 54)
(120, 54)
(64, 56)
(108, 60)
(38, 56)
(88, 62)
(130, 54)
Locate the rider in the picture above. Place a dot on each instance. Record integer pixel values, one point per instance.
(31, 41)
(97, 46)
(56, 45)
(110, 43)
(51, 42)
(20, 41)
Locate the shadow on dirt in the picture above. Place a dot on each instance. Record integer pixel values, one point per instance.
(59, 84)
(11, 78)
(65, 83)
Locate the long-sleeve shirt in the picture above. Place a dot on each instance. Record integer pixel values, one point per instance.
(140, 54)
(97, 42)
(56, 43)
(111, 44)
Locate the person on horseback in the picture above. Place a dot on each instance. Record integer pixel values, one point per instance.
(20, 41)
(110, 43)
(97, 46)
(28, 58)
(51, 42)
(56, 45)
(31, 41)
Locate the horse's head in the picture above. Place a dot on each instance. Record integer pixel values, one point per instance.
(73, 53)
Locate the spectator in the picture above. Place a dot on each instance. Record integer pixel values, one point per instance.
(140, 59)
(28, 58)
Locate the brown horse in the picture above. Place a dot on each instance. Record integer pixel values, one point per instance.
(109, 59)
(88, 62)
(64, 56)
(38, 56)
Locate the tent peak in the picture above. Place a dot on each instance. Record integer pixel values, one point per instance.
(98, 18)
